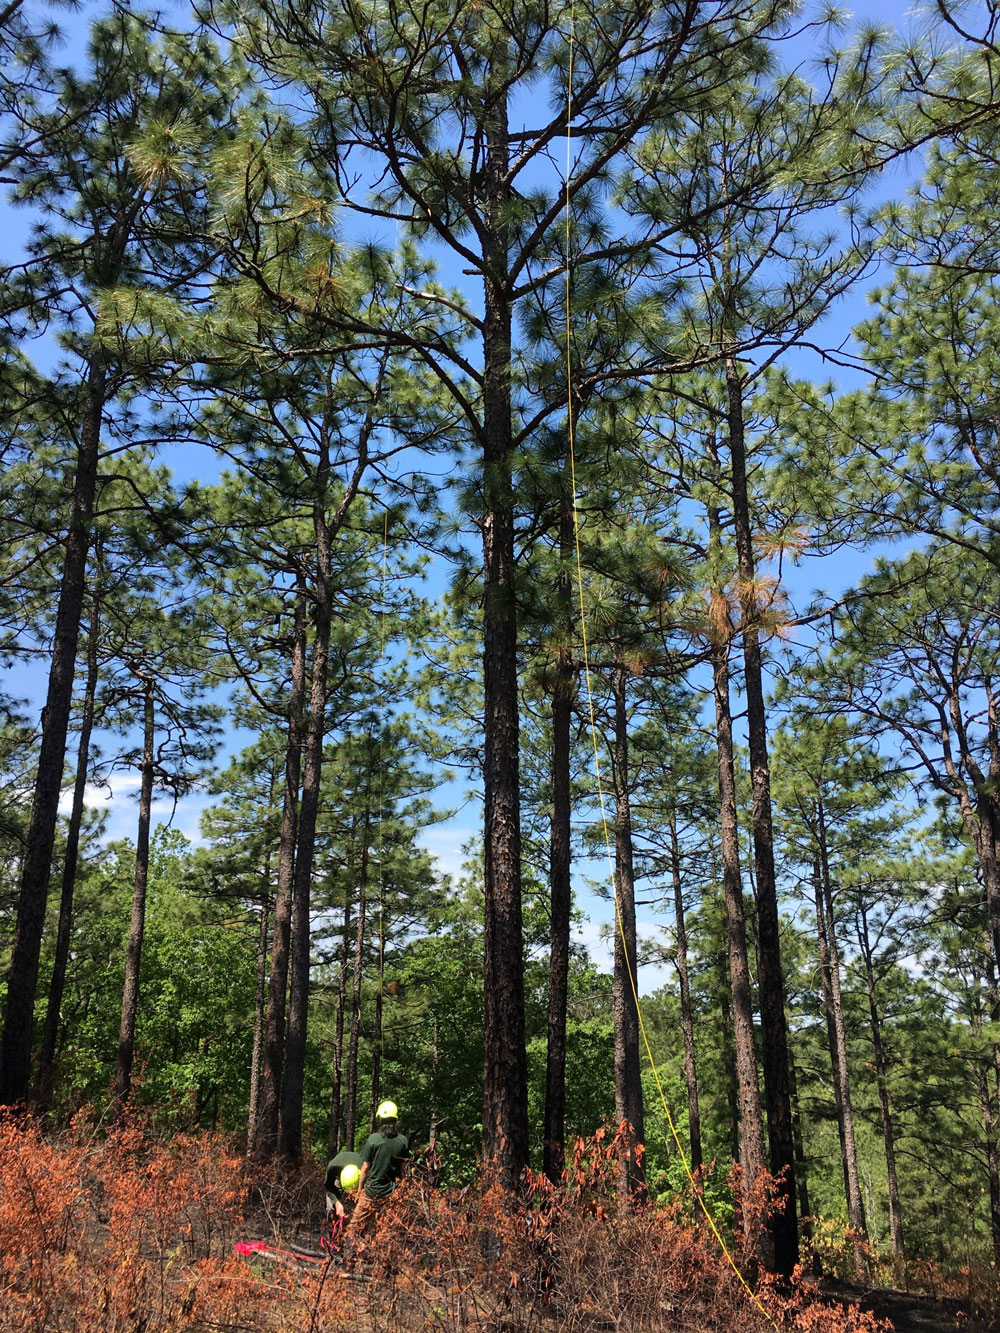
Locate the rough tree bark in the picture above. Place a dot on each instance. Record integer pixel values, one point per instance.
(377, 1035)
(752, 1155)
(260, 999)
(505, 1081)
(334, 1141)
(264, 1139)
(988, 1106)
(325, 528)
(137, 924)
(298, 997)
(260, 995)
(978, 798)
(559, 872)
(729, 1054)
(50, 1032)
(833, 1003)
(687, 1017)
(359, 949)
(771, 985)
(22, 978)
(885, 1106)
(628, 1068)
(801, 1174)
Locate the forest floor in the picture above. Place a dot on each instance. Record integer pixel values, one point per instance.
(908, 1312)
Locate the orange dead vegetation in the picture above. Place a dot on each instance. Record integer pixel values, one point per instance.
(129, 1233)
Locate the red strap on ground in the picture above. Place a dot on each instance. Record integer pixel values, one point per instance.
(261, 1247)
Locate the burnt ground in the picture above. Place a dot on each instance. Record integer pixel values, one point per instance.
(911, 1312)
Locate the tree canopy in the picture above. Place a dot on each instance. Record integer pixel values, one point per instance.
(412, 410)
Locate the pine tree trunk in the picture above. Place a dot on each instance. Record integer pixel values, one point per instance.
(981, 811)
(993, 991)
(334, 1141)
(831, 1039)
(560, 892)
(771, 985)
(801, 1175)
(298, 1000)
(57, 986)
(988, 1106)
(359, 949)
(260, 995)
(22, 978)
(325, 528)
(729, 1056)
(259, 1001)
(505, 1082)
(264, 1139)
(137, 925)
(433, 1118)
(752, 1157)
(829, 956)
(752, 1154)
(298, 997)
(687, 1017)
(628, 1067)
(377, 1036)
(885, 1109)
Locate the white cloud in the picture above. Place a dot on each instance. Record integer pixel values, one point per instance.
(100, 797)
(445, 844)
(118, 799)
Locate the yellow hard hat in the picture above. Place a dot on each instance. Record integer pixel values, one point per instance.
(387, 1111)
(349, 1177)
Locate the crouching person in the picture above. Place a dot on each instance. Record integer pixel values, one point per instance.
(343, 1175)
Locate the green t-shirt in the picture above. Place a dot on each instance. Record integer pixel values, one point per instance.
(385, 1157)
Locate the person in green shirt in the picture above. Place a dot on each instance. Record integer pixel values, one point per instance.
(342, 1176)
(383, 1159)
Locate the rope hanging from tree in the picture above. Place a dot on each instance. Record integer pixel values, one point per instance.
(571, 442)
